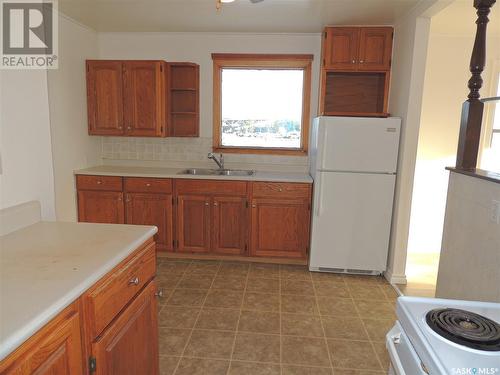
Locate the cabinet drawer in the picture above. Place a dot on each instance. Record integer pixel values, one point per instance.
(211, 187)
(281, 190)
(148, 185)
(109, 183)
(116, 290)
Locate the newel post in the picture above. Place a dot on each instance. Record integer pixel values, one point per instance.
(472, 109)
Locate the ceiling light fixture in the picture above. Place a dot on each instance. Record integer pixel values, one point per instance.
(218, 3)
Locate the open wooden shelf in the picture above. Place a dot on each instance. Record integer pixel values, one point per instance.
(355, 93)
(184, 100)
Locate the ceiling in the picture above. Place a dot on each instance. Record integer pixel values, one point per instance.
(459, 19)
(285, 16)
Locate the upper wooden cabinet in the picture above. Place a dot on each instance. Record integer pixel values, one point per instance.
(375, 48)
(355, 71)
(105, 97)
(341, 47)
(142, 98)
(357, 48)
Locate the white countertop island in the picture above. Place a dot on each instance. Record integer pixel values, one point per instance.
(46, 266)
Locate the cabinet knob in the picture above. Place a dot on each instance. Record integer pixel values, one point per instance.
(216, 204)
(148, 184)
(206, 203)
(280, 190)
(361, 61)
(129, 128)
(253, 206)
(134, 281)
(119, 198)
(159, 293)
(354, 61)
(120, 127)
(99, 182)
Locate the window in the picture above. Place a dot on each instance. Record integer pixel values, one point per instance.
(261, 103)
(490, 155)
(495, 133)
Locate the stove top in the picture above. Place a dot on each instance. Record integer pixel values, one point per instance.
(451, 336)
(465, 328)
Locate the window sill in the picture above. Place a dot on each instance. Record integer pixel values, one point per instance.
(477, 173)
(260, 151)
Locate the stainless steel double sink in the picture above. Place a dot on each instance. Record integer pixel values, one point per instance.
(217, 172)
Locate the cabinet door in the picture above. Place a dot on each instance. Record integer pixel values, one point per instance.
(375, 48)
(152, 209)
(229, 226)
(280, 228)
(101, 206)
(193, 223)
(56, 349)
(340, 48)
(105, 97)
(129, 346)
(144, 98)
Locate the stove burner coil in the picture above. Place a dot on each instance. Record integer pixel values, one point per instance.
(465, 328)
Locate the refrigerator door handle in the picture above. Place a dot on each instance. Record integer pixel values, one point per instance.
(319, 200)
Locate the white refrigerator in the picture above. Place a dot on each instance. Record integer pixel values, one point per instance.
(353, 164)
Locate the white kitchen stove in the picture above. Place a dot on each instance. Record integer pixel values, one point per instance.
(460, 342)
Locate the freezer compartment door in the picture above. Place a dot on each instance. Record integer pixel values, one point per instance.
(355, 144)
(351, 221)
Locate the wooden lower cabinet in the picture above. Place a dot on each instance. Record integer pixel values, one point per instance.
(280, 228)
(206, 216)
(193, 223)
(101, 207)
(230, 225)
(129, 346)
(152, 209)
(55, 349)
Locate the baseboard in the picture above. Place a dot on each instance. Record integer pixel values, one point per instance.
(229, 258)
(395, 279)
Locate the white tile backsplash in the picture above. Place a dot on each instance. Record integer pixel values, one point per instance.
(175, 151)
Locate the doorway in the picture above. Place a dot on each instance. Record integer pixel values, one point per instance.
(450, 44)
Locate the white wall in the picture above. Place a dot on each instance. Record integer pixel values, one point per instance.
(72, 147)
(470, 256)
(26, 156)
(410, 39)
(198, 47)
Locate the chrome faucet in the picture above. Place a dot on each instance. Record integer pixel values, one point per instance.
(219, 162)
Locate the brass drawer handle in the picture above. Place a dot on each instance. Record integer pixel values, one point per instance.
(134, 281)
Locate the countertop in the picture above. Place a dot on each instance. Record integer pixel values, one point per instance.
(48, 265)
(133, 171)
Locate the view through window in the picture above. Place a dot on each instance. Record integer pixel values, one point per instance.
(490, 159)
(495, 136)
(261, 107)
